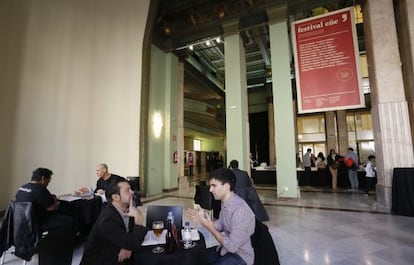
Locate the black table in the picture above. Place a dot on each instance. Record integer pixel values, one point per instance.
(193, 256)
(84, 211)
(403, 191)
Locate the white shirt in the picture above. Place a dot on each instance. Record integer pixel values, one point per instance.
(370, 170)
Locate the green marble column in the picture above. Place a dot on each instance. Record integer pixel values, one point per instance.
(237, 118)
(284, 115)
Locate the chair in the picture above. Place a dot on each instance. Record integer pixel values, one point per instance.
(134, 183)
(20, 228)
(160, 213)
(206, 200)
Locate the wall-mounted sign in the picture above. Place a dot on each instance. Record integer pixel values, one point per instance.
(327, 62)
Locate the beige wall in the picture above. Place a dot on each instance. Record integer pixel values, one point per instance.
(70, 76)
(161, 172)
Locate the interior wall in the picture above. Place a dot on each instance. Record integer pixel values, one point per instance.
(70, 78)
(172, 111)
(162, 172)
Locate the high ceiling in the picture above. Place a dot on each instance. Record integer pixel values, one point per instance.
(193, 30)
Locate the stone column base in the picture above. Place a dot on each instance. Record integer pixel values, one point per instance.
(384, 196)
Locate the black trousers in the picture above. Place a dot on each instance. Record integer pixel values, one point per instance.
(368, 183)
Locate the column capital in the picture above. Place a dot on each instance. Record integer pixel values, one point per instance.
(230, 27)
(277, 14)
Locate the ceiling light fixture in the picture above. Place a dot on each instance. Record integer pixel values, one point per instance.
(208, 41)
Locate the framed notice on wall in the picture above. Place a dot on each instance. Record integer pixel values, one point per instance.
(327, 62)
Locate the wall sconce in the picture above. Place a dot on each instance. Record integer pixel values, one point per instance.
(157, 124)
(220, 12)
(167, 30)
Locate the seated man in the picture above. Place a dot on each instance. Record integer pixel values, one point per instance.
(246, 191)
(105, 178)
(118, 231)
(45, 204)
(235, 225)
(242, 179)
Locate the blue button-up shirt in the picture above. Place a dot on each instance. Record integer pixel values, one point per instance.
(237, 222)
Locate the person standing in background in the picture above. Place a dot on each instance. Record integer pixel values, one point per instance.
(321, 166)
(370, 174)
(298, 161)
(190, 164)
(333, 168)
(352, 168)
(307, 165)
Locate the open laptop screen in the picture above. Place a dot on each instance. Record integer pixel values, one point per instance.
(160, 213)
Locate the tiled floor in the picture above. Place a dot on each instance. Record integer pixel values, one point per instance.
(344, 228)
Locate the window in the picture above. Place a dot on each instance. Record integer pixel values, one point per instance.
(197, 145)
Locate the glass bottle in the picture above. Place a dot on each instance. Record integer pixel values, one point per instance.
(187, 235)
(170, 217)
(169, 239)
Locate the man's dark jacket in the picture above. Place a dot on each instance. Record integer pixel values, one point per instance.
(20, 229)
(242, 182)
(246, 191)
(108, 236)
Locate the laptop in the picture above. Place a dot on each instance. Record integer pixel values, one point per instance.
(160, 213)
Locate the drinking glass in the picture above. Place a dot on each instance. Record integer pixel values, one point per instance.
(157, 228)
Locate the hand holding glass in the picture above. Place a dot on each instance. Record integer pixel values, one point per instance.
(157, 228)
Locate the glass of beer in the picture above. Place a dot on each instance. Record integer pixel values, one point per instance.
(157, 228)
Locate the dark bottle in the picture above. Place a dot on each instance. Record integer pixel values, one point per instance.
(169, 239)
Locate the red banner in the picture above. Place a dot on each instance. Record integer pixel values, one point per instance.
(327, 62)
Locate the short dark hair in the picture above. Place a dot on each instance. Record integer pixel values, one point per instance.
(234, 164)
(224, 176)
(40, 172)
(351, 149)
(113, 188)
(371, 157)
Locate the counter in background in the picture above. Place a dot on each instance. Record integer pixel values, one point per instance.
(264, 176)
